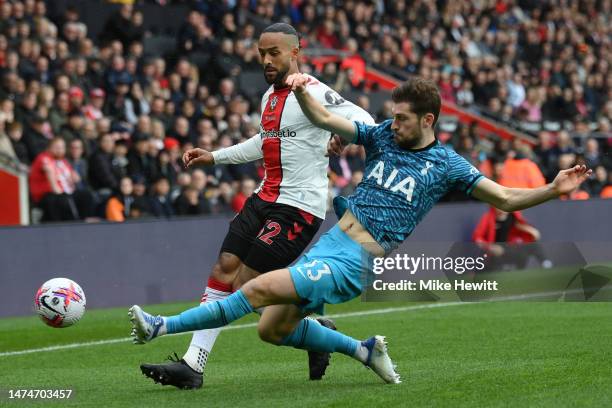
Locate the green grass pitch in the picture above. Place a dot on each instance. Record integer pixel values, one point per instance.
(481, 355)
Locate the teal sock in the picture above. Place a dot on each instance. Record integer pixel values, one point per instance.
(210, 315)
(310, 335)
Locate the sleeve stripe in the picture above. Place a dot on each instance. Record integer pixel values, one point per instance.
(357, 132)
(472, 185)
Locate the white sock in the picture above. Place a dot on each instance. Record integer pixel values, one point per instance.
(361, 354)
(203, 341)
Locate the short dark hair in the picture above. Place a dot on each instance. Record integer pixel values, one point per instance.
(422, 94)
(282, 28)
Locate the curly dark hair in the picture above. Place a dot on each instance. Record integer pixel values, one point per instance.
(422, 95)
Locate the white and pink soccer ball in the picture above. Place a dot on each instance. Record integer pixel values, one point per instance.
(60, 302)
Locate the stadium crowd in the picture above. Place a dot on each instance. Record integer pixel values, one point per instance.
(102, 122)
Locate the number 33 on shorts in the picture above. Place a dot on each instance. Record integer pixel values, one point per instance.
(314, 270)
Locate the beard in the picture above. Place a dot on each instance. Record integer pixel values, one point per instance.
(276, 78)
(412, 142)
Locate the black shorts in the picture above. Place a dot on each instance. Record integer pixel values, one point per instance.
(268, 236)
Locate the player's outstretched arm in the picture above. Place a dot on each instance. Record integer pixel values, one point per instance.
(247, 151)
(194, 157)
(316, 113)
(515, 199)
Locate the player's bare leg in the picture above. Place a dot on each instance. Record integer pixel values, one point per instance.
(277, 322)
(243, 275)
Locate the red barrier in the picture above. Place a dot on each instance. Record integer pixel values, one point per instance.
(10, 206)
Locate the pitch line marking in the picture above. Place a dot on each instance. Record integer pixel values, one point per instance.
(235, 327)
(333, 316)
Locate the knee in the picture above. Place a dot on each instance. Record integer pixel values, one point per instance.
(227, 264)
(273, 335)
(244, 275)
(269, 335)
(256, 291)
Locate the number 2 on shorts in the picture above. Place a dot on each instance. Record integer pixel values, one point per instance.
(273, 229)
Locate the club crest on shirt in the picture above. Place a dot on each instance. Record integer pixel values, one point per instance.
(428, 165)
(273, 102)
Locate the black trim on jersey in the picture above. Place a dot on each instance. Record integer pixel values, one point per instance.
(429, 146)
(358, 137)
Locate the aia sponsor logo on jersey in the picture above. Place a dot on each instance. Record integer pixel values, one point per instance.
(405, 186)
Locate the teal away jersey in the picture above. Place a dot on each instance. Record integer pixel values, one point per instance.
(400, 186)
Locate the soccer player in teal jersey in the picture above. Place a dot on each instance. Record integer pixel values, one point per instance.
(407, 172)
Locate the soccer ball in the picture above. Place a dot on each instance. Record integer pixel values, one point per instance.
(60, 302)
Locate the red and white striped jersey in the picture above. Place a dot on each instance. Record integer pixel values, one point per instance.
(294, 150)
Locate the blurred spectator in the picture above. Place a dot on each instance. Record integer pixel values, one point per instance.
(124, 26)
(78, 162)
(597, 183)
(591, 153)
(546, 155)
(101, 175)
(58, 114)
(93, 110)
(53, 186)
(191, 202)
(521, 172)
(75, 98)
(15, 134)
(181, 130)
(532, 106)
(195, 36)
(500, 234)
(37, 137)
(140, 162)
(159, 202)
(119, 205)
(26, 110)
(141, 200)
(247, 187)
(120, 161)
(166, 166)
(6, 147)
(168, 160)
(72, 129)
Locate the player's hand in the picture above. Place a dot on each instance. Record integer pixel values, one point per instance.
(334, 146)
(194, 157)
(568, 180)
(496, 250)
(297, 82)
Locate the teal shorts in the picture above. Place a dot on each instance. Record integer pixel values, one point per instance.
(332, 271)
